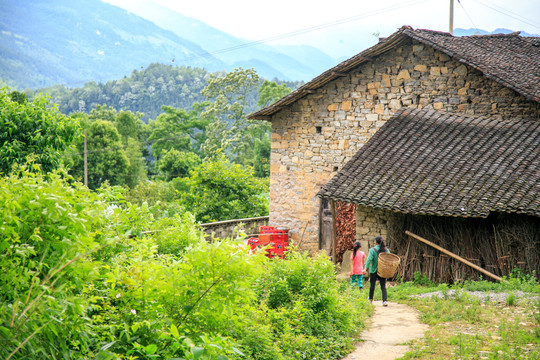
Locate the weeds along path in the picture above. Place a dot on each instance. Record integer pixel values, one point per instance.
(387, 331)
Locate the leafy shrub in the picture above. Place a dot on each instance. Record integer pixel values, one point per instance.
(220, 190)
(310, 315)
(86, 279)
(33, 130)
(48, 233)
(421, 279)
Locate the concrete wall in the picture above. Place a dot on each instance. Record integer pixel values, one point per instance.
(313, 138)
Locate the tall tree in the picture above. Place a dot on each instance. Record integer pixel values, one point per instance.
(179, 129)
(231, 133)
(229, 93)
(174, 163)
(33, 130)
(107, 159)
(128, 125)
(270, 92)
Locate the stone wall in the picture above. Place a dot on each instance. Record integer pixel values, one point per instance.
(314, 137)
(370, 222)
(231, 228)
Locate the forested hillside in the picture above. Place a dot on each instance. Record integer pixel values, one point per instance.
(207, 158)
(295, 62)
(43, 43)
(145, 91)
(71, 42)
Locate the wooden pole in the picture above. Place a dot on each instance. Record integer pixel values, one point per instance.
(85, 161)
(451, 254)
(334, 237)
(451, 22)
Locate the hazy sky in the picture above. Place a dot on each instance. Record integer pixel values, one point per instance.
(340, 21)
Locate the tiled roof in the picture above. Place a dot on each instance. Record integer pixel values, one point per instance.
(433, 163)
(511, 60)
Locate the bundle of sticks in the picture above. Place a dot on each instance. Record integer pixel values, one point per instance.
(500, 244)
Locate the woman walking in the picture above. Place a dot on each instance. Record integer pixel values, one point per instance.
(371, 265)
(357, 265)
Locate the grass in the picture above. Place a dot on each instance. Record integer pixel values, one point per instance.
(464, 326)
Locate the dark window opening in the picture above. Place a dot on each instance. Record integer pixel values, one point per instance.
(318, 129)
(335, 168)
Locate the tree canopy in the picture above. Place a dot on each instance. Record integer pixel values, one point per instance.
(33, 131)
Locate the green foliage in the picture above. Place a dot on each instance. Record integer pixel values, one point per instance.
(128, 125)
(18, 97)
(90, 275)
(270, 92)
(305, 309)
(145, 91)
(136, 171)
(178, 129)
(107, 159)
(48, 232)
(245, 141)
(517, 281)
(219, 190)
(229, 93)
(112, 138)
(174, 163)
(174, 234)
(421, 279)
(33, 130)
(154, 193)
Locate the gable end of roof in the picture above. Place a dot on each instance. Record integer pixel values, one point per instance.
(515, 66)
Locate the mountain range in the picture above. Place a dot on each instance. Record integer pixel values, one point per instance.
(48, 42)
(68, 42)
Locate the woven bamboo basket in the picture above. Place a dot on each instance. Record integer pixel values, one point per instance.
(388, 264)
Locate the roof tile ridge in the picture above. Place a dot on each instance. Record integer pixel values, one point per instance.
(515, 33)
(436, 32)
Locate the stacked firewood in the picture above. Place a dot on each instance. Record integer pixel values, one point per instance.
(345, 228)
(500, 244)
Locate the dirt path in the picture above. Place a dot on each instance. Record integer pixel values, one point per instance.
(387, 330)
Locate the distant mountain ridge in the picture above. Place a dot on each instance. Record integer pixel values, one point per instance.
(300, 62)
(43, 43)
(49, 42)
(469, 32)
(70, 42)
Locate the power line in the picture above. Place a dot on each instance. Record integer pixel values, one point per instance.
(510, 14)
(309, 29)
(467, 14)
(296, 32)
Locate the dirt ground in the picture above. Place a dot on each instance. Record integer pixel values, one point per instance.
(388, 330)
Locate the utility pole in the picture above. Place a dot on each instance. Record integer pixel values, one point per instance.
(451, 24)
(85, 162)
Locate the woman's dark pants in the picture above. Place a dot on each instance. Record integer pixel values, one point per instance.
(373, 277)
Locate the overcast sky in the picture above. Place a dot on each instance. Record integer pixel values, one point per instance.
(339, 22)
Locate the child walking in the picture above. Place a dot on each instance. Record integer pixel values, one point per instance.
(357, 264)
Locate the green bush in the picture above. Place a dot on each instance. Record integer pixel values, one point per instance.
(90, 275)
(309, 313)
(421, 279)
(33, 130)
(49, 227)
(219, 190)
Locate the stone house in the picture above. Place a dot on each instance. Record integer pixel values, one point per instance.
(445, 85)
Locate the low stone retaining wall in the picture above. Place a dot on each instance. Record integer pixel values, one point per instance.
(231, 228)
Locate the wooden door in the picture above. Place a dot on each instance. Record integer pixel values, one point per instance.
(325, 227)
